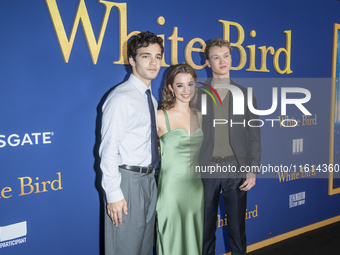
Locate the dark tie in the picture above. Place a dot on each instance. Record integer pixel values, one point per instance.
(154, 137)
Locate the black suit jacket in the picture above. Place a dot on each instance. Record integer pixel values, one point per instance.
(245, 141)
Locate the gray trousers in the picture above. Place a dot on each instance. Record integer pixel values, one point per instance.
(135, 235)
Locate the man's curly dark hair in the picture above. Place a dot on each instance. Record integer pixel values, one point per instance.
(143, 39)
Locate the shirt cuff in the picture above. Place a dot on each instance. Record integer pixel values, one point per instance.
(114, 196)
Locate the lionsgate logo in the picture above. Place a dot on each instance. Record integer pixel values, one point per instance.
(15, 140)
(239, 105)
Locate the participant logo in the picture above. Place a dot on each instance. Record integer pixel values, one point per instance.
(13, 234)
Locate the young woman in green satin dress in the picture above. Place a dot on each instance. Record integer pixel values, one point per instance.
(180, 201)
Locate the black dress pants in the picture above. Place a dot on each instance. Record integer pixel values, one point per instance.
(235, 202)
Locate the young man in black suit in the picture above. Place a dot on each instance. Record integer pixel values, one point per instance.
(232, 146)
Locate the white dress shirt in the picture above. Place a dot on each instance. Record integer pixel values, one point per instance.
(126, 134)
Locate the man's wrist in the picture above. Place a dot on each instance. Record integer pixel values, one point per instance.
(114, 196)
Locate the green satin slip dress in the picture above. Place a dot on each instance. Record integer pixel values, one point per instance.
(180, 200)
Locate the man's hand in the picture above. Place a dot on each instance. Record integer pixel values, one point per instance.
(249, 182)
(114, 210)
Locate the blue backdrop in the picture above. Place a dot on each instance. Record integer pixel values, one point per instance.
(54, 78)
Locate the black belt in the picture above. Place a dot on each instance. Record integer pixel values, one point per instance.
(139, 169)
(223, 159)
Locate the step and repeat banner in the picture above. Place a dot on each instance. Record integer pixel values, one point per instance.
(60, 58)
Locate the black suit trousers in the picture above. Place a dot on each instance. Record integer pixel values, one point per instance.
(235, 202)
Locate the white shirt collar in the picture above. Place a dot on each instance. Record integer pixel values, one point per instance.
(141, 87)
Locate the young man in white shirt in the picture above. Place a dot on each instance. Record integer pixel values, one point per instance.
(127, 152)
